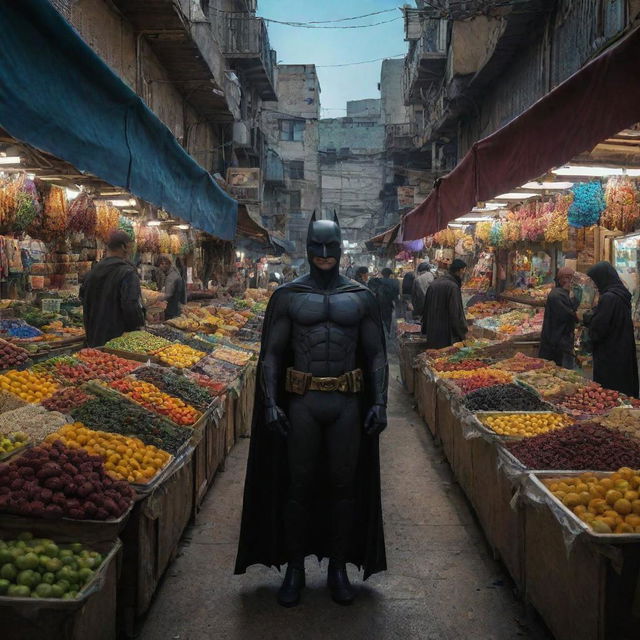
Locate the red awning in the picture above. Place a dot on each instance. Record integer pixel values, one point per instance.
(383, 239)
(594, 103)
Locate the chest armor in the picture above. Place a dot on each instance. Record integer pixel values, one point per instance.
(325, 331)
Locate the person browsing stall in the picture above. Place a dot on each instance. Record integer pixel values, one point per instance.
(175, 291)
(110, 294)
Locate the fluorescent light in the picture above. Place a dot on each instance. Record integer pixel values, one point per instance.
(130, 211)
(181, 226)
(154, 223)
(10, 160)
(597, 172)
(456, 225)
(515, 196)
(476, 219)
(547, 186)
(123, 203)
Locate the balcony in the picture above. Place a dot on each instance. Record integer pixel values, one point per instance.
(184, 44)
(399, 137)
(425, 63)
(245, 42)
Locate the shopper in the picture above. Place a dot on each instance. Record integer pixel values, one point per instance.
(362, 276)
(610, 326)
(558, 327)
(443, 319)
(110, 294)
(387, 293)
(174, 291)
(406, 289)
(420, 286)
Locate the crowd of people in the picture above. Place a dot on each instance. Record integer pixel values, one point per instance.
(436, 303)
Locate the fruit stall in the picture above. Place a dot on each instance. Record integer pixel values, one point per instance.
(550, 462)
(106, 456)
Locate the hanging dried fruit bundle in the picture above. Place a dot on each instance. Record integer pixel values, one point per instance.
(28, 209)
(82, 214)
(483, 231)
(148, 240)
(107, 219)
(126, 225)
(9, 190)
(55, 212)
(164, 242)
(558, 227)
(622, 200)
(175, 244)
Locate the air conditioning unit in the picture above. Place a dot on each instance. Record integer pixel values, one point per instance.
(241, 134)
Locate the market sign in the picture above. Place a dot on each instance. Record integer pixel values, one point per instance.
(406, 197)
(244, 183)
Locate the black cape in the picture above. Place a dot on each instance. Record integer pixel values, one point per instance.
(558, 327)
(262, 538)
(611, 331)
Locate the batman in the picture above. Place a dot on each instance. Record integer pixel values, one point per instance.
(313, 475)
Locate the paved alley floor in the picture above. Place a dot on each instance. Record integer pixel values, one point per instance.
(441, 583)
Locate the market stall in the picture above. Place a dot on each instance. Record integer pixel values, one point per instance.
(118, 443)
(547, 459)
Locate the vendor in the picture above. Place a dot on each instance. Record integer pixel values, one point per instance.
(558, 327)
(175, 291)
(110, 294)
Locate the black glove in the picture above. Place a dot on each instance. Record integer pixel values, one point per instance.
(276, 420)
(376, 421)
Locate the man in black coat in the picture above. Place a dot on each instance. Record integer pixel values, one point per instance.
(387, 292)
(313, 475)
(558, 328)
(615, 364)
(110, 294)
(443, 319)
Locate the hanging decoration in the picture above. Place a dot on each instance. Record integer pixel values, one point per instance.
(622, 201)
(28, 208)
(164, 241)
(124, 224)
(483, 231)
(558, 228)
(148, 240)
(588, 204)
(82, 214)
(55, 211)
(107, 220)
(174, 239)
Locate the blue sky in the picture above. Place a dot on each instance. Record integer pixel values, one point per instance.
(336, 46)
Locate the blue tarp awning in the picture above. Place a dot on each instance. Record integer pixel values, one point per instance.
(57, 95)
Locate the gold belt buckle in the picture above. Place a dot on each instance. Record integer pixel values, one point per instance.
(327, 384)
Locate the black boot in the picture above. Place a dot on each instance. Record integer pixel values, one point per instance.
(292, 585)
(338, 582)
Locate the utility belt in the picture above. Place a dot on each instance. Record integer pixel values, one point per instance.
(299, 382)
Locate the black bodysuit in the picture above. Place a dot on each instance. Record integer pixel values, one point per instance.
(325, 329)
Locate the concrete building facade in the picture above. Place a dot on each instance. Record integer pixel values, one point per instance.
(204, 67)
(292, 173)
(352, 167)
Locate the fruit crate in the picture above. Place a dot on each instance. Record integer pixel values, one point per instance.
(584, 585)
(489, 433)
(150, 540)
(91, 615)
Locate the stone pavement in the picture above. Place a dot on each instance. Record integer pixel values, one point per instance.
(441, 583)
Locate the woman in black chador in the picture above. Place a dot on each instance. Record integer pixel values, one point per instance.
(313, 476)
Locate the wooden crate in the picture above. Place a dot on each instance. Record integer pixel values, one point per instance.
(408, 351)
(151, 540)
(444, 418)
(491, 495)
(462, 450)
(230, 413)
(199, 461)
(93, 618)
(589, 590)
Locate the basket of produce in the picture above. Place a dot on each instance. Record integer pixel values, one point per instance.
(605, 506)
(157, 401)
(12, 444)
(548, 384)
(505, 397)
(520, 363)
(623, 419)
(180, 356)
(58, 483)
(583, 445)
(113, 412)
(12, 356)
(33, 420)
(28, 385)
(106, 366)
(467, 381)
(590, 400)
(125, 458)
(522, 424)
(234, 356)
(136, 344)
(64, 400)
(178, 385)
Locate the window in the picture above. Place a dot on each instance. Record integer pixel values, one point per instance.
(296, 169)
(295, 201)
(292, 130)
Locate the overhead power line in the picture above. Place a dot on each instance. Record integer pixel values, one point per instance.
(350, 64)
(364, 15)
(302, 25)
